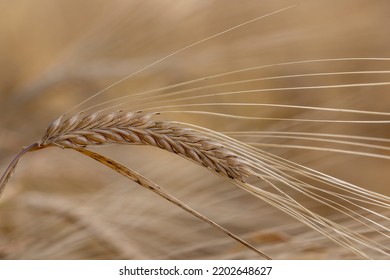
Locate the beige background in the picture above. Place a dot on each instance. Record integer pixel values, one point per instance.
(54, 54)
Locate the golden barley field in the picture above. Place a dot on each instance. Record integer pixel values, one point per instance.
(307, 85)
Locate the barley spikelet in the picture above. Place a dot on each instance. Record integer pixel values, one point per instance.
(138, 128)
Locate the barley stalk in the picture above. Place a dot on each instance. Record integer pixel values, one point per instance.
(148, 184)
(12, 166)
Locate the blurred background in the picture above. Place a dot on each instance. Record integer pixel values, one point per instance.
(55, 54)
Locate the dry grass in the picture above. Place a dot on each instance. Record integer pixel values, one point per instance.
(284, 108)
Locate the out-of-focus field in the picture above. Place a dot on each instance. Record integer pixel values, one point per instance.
(54, 54)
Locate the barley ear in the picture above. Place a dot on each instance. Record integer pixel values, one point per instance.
(148, 184)
(12, 166)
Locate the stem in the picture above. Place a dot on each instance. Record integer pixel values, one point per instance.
(148, 184)
(12, 166)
